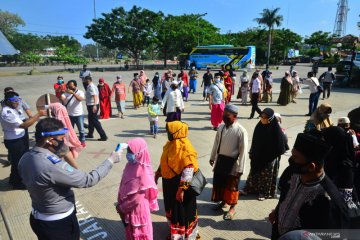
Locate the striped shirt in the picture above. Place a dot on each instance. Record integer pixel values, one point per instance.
(234, 143)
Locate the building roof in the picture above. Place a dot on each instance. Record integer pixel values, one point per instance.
(6, 48)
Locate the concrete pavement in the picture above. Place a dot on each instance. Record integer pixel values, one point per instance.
(96, 213)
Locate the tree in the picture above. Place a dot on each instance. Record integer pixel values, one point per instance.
(283, 40)
(129, 31)
(319, 39)
(28, 42)
(9, 22)
(178, 34)
(32, 58)
(58, 41)
(269, 18)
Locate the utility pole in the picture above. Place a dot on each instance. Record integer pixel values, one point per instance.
(97, 47)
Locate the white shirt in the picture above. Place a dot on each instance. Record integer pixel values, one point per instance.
(313, 83)
(234, 142)
(174, 99)
(91, 91)
(148, 89)
(255, 86)
(74, 107)
(10, 122)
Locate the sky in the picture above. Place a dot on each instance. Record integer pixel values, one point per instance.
(69, 17)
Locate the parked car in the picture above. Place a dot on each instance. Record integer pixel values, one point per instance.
(342, 73)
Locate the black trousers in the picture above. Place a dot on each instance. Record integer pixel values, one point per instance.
(94, 122)
(16, 149)
(63, 229)
(327, 88)
(254, 103)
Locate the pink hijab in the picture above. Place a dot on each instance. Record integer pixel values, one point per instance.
(138, 177)
(61, 114)
(143, 76)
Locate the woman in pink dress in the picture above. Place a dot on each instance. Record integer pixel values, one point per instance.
(137, 192)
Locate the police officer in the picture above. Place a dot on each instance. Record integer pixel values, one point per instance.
(15, 139)
(49, 181)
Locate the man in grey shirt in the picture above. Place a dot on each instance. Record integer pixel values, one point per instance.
(49, 180)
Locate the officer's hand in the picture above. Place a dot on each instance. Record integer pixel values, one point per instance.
(114, 157)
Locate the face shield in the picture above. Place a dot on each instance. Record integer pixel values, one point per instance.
(60, 148)
(63, 131)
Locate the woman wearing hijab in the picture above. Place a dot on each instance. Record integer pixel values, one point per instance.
(177, 165)
(105, 99)
(143, 77)
(137, 192)
(295, 86)
(157, 85)
(319, 119)
(285, 90)
(72, 142)
(244, 88)
(228, 85)
(268, 144)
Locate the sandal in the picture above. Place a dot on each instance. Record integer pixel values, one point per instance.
(229, 216)
(261, 197)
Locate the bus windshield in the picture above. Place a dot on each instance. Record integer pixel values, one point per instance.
(216, 56)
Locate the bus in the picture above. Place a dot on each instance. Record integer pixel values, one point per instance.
(216, 56)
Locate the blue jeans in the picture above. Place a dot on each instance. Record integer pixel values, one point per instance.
(154, 127)
(79, 121)
(313, 101)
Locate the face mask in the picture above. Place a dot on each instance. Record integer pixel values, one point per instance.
(60, 81)
(61, 149)
(226, 120)
(297, 167)
(217, 80)
(264, 121)
(131, 158)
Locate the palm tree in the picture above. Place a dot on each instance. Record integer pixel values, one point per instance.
(269, 18)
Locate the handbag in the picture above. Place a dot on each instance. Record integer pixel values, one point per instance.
(198, 182)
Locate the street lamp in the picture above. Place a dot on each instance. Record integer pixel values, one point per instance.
(198, 20)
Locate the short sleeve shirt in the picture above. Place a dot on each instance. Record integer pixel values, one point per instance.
(216, 91)
(10, 122)
(74, 107)
(120, 91)
(91, 91)
(255, 86)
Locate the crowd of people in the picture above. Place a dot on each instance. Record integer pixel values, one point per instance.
(318, 190)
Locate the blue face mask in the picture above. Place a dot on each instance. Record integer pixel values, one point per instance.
(131, 158)
(60, 81)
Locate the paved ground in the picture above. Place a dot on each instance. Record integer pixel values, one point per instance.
(97, 216)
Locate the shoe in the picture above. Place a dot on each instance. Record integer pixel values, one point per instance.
(83, 144)
(261, 197)
(103, 139)
(250, 117)
(89, 136)
(155, 136)
(18, 186)
(293, 101)
(308, 114)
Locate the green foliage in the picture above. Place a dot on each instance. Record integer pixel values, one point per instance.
(178, 34)
(31, 57)
(130, 31)
(28, 42)
(59, 41)
(269, 18)
(9, 22)
(318, 39)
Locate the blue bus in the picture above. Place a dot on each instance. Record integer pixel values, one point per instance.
(215, 56)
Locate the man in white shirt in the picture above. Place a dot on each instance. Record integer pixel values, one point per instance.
(255, 95)
(92, 104)
(15, 139)
(174, 101)
(72, 101)
(228, 157)
(313, 83)
(83, 74)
